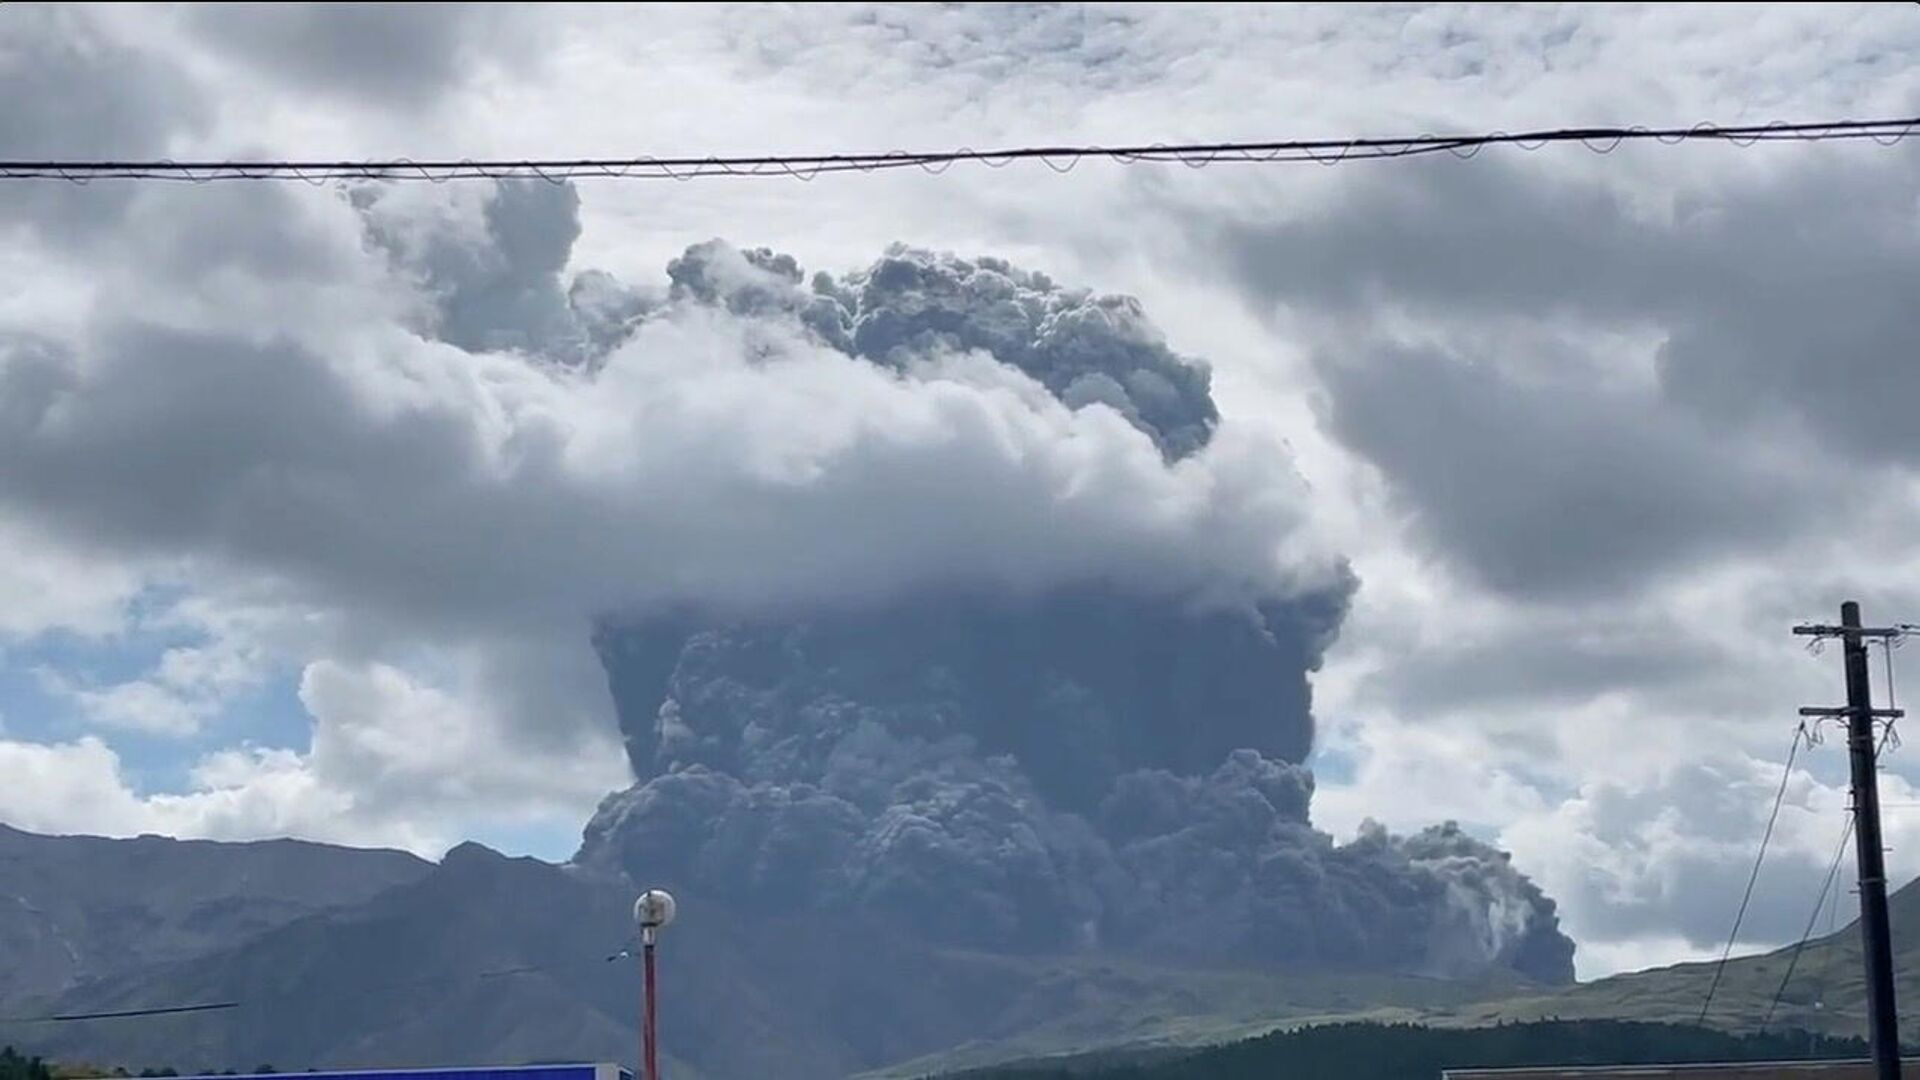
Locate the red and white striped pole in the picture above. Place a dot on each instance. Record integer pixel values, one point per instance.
(649, 1027)
(652, 911)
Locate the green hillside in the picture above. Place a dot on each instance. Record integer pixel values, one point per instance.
(1825, 994)
(1358, 1051)
(1122, 1009)
(1825, 997)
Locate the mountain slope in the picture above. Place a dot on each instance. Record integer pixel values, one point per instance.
(74, 908)
(1826, 993)
(1101, 1010)
(491, 959)
(404, 980)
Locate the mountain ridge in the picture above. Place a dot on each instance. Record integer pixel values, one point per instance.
(487, 958)
(74, 908)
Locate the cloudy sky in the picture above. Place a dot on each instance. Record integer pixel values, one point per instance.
(294, 539)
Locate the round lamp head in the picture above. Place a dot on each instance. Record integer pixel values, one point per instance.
(654, 909)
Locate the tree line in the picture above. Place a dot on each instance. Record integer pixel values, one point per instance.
(17, 1066)
(1371, 1051)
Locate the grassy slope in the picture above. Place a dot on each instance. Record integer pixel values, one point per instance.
(1826, 993)
(1123, 1009)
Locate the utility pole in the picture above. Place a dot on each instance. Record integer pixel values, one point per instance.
(1883, 1021)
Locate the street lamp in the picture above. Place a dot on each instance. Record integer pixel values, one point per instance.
(652, 911)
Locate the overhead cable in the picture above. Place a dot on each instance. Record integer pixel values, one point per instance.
(1060, 158)
(1760, 856)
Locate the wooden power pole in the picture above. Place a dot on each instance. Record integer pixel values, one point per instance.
(1883, 1021)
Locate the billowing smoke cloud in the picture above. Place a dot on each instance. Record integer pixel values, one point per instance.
(910, 305)
(1042, 775)
(1069, 767)
(490, 270)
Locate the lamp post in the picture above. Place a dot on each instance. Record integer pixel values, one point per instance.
(652, 911)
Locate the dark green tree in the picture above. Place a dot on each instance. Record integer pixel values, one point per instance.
(15, 1066)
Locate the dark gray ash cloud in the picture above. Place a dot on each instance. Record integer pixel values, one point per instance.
(1081, 769)
(1092, 765)
(910, 304)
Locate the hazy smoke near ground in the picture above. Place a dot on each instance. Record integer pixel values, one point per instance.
(1093, 763)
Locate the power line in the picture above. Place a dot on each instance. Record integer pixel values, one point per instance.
(1820, 901)
(121, 1014)
(355, 990)
(1825, 975)
(1060, 158)
(1786, 774)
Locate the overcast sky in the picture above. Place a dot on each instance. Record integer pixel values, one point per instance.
(1592, 430)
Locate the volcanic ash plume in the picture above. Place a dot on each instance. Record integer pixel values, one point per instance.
(1096, 760)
